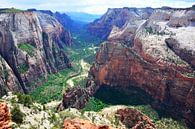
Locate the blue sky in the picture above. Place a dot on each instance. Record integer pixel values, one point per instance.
(91, 6)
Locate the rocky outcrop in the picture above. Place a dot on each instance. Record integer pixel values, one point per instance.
(183, 53)
(77, 97)
(32, 46)
(8, 81)
(5, 118)
(83, 124)
(133, 119)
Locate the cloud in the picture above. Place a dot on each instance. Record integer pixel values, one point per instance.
(91, 6)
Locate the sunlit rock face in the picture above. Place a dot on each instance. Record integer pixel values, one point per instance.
(83, 124)
(159, 59)
(31, 46)
(117, 65)
(155, 54)
(5, 118)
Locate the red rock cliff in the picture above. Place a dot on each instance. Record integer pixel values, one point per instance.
(140, 54)
(5, 121)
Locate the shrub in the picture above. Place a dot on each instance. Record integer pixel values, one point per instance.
(24, 99)
(17, 115)
(94, 105)
(169, 123)
(149, 30)
(27, 48)
(149, 111)
(23, 68)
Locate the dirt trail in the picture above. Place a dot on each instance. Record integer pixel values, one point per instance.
(84, 73)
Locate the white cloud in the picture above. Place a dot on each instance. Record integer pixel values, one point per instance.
(91, 6)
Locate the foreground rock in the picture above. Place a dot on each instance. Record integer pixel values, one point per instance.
(5, 119)
(133, 119)
(31, 47)
(77, 97)
(83, 124)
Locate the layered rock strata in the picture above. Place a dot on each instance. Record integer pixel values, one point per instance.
(154, 54)
(31, 47)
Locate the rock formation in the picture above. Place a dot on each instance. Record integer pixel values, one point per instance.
(133, 119)
(5, 119)
(154, 53)
(83, 124)
(77, 97)
(31, 47)
(8, 80)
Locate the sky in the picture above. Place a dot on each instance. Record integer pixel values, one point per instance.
(91, 6)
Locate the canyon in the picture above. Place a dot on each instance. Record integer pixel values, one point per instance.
(153, 51)
(145, 55)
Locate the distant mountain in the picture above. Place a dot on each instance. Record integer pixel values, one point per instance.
(83, 17)
(63, 18)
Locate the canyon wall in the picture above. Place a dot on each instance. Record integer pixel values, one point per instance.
(31, 47)
(154, 53)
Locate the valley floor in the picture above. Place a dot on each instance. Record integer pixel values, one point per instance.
(81, 55)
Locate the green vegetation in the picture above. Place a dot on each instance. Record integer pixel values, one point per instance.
(53, 88)
(151, 31)
(149, 111)
(169, 123)
(80, 82)
(56, 84)
(128, 96)
(17, 115)
(94, 105)
(191, 75)
(5, 73)
(27, 48)
(134, 98)
(24, 99)
(23, 68)
(11, 10)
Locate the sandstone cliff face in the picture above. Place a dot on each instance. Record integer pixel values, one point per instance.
(32, 46)
(8, 80)
(119, 66)
(158, 62)
(155, 55)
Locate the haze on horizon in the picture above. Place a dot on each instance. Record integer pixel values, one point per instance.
(91, 6)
